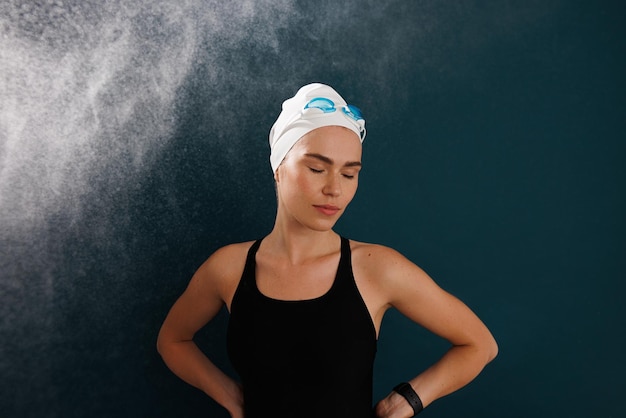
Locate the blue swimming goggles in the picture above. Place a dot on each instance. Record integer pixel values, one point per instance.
(328, 106)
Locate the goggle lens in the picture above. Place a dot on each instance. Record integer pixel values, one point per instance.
(354, 112)
(322, 103)
(328, 106)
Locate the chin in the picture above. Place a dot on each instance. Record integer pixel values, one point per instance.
(321, 226)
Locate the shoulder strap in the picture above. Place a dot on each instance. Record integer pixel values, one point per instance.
(345, 263)
(250, 260)
(345, 247)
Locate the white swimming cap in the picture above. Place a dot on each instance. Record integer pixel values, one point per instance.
(314, 106)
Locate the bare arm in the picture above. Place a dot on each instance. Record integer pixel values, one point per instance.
(200, 302)
(417, 296)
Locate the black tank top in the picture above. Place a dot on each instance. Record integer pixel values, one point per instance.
(303, 359)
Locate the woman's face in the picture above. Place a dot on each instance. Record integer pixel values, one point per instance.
(319, 177)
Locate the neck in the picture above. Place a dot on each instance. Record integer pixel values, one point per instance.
(299, 243)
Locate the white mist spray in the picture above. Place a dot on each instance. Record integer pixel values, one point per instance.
(78, 92)
(88, 91)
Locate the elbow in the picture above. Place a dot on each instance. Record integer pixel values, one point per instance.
(485, 347)
(491, 348)
(168, 341)
(160, 343)
(159, 347)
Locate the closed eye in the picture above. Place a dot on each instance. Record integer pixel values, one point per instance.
(315, 170)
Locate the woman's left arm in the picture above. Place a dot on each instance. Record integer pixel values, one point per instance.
(410, 290)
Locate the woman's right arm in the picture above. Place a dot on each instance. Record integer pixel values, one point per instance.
(201, 301)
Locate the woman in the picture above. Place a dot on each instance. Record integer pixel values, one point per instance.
(305, 304)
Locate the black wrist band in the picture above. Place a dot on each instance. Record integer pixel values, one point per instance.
(409, 394)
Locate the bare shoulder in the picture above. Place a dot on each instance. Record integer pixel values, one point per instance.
(369, 249)
(379, 259)
(228, 257)
(386, 269)
(222, 270)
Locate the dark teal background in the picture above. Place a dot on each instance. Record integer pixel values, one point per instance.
(494, 159)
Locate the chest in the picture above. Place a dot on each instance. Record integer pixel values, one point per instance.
(301, 282)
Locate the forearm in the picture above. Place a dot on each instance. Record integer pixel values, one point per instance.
(188, 362)
(459, 366)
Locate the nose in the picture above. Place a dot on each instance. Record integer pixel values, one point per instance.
(332, 186)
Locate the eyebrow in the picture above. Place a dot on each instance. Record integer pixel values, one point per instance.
(329, 161)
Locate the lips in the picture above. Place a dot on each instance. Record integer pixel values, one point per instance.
(327, 210)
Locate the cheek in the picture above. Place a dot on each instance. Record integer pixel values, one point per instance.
(304, 182)
(296, 184)
(352, 187)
